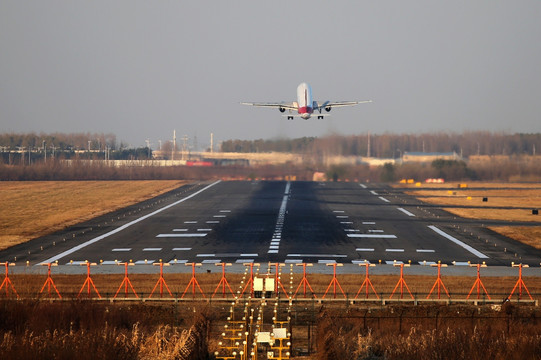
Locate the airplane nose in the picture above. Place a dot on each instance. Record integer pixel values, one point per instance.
(305, 116)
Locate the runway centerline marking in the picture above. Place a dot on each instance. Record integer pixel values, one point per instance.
(383, 199)
(122, 249)
(125, 226)
(277, 235)
(458, 242)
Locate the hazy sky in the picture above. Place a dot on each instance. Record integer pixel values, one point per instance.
(140, 69)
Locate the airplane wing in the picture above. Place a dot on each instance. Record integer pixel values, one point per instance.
(286, 106)
(331, 104)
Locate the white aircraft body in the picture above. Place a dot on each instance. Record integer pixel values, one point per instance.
(305, 106)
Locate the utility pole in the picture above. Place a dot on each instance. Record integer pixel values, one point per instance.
(211, 143)
(174, 145)
(368, 146)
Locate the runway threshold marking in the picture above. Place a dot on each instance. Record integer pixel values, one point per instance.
(125, 226)
(458, 242)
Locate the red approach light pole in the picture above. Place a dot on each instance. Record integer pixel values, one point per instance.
(193, 281)
(401, 283)
(7, 282)
(49, 282)
(161, 281)
(126, 282)
(277, 282)
(439, 282)
(334, 282)
(367, 282)
(88, 281)
(223, 282)
(478, 282)
(520, 283)
(304, 282)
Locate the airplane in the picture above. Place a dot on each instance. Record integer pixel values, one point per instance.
(305, 106)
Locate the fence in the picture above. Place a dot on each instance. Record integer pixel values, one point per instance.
(257, 284)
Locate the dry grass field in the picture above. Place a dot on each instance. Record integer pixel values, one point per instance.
(32, 209)
(509, 201)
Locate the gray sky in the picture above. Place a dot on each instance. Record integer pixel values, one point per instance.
(140, 69)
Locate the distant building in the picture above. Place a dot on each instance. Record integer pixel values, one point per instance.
(423, 157)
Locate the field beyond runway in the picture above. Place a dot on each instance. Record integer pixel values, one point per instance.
(279, 221)
(35, 208)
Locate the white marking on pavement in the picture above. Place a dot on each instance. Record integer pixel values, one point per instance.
(152, 249)
(425, 251)
(406, 212)
(244, 261)
(458, 242)
(122, 249)
(383, 199)
(326, 261)
(190, 222)
(373, 192)
(372, 236)
(182, 249)
(394, 250)
(364, 249)
(188, 235)
(213, 261)
(317, 255)
(363, 186)
(144, 262)
(369, 223)
(125, 226)
(180, 229)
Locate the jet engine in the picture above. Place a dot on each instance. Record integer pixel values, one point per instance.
(328, 109)
(282, 109)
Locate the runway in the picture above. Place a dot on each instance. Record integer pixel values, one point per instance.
(279, 221)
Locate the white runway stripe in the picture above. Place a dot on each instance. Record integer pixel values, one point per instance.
(458, 242)
(187, 235)
(406, 212)
(372, 236)
(125, 226)
(122, 249)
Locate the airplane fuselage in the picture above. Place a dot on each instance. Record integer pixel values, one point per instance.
(305, 101)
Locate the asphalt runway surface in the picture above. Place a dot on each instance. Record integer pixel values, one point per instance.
(278, 221)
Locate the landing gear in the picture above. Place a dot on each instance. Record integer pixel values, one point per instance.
(290, 117)
(319, 117)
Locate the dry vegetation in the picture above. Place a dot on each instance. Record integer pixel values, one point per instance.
(32, 209)
(509, 201)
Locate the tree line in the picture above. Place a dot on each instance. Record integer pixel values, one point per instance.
(390, 145)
